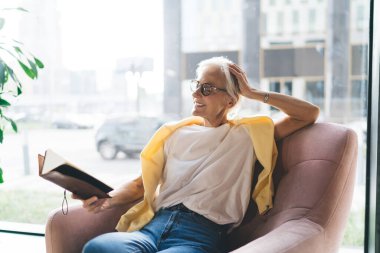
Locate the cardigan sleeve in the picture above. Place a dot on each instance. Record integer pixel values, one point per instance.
(261, 131)
(152, 165)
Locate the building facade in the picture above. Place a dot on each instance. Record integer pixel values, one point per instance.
(311, 49)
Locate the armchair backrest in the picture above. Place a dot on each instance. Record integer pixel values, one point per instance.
(314, 180)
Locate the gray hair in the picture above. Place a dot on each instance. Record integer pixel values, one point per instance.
(232, 85)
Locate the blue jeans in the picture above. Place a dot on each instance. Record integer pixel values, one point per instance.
(176, 229)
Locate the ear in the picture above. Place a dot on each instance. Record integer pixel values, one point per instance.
(230, 102)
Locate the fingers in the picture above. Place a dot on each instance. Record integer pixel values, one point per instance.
(106, 204)
(96, 206)
(89, 202)
(74, 196)
(93, 204)
(237, 72)
(235, 69)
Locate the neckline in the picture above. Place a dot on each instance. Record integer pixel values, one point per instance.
(228, 123)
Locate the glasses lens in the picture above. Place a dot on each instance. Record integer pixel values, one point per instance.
(206, 89)
(194, 85)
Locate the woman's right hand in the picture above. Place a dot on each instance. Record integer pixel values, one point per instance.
(94, 204)
(124, 195)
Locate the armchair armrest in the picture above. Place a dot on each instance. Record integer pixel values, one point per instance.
(69, 233)
(291, 237)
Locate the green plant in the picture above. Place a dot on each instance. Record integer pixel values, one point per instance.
(15, 60)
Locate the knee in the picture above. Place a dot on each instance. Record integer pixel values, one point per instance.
(96, 245)
(119, 242)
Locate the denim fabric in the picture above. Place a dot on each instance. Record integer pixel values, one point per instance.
(175, 230)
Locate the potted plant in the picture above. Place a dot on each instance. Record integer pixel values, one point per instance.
(15, 60)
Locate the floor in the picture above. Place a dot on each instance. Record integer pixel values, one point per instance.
(14, 243)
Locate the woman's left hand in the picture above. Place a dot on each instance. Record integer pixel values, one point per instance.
(299, 112)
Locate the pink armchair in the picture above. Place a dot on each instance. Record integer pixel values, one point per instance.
(314, 181)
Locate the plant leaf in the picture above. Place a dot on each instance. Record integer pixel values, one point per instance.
(13, 124)
(18, 42)
(1, 135)
(18, 50)
(19, 90)
(2, 22)
(3, 73)
(39, 63)
(1, 176)
(22, 9)
(11, 9)
(9, 52)
(13, 75)
(33, 68)
(4, 103)
(27, 70)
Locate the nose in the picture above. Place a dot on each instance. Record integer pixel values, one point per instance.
(197, 93)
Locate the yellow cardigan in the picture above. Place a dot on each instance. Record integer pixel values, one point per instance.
(261, 131)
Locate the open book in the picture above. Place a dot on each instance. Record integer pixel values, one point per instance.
(56, 169)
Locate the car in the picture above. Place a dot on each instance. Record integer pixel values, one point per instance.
(69, 124)
(73, 121)
(127, 135)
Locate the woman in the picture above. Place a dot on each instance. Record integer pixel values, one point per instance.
(202, 169)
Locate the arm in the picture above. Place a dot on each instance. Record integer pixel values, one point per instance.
(124, 195)
(299, 112)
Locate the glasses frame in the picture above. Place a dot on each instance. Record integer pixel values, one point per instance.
(203, 88)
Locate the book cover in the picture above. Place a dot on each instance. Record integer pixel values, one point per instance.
(56, 169)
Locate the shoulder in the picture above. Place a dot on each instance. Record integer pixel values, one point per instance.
(169, 128)
(261, 127)
(183, 122)
(255, 120)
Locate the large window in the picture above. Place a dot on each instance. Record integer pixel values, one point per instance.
(315, 93)
(120, 60)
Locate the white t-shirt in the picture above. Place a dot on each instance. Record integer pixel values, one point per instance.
(209, 170)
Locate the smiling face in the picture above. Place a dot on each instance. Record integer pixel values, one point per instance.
(212, 108)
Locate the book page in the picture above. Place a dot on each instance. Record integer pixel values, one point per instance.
(52, 161)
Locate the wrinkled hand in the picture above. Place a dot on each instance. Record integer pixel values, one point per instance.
(124, 195)
(242, 79)
(94, 204)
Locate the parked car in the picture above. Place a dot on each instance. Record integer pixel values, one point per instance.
(69, 124)
(73, 121)
(127, 135)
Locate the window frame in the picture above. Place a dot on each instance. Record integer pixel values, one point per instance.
(22, 228)
(372, 211)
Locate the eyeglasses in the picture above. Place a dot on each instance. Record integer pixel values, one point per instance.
(206, 88)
